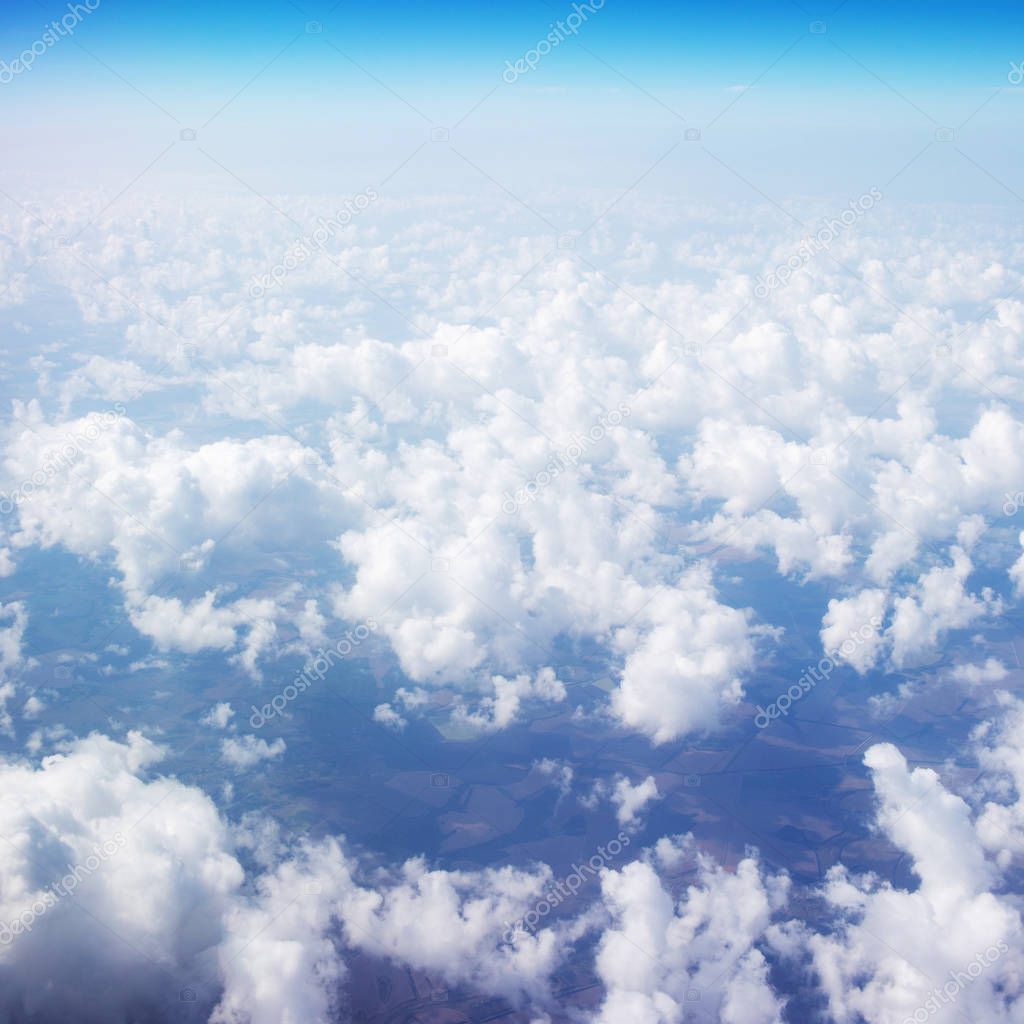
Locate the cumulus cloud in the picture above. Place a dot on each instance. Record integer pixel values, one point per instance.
(108, 881)
(247, 751)
(134, 887)
(95, 835)
(14, 617)
(1001, 821)
(685, 654)
(1017, 569)
(560, 772)
(558, 484)
(218, 716)
(658, 952)
(157, 509)
(851, 628)
(387, 716)
(991, 670)
(504, 707)
(493, 487)
(952, 946)
(12, 634)
(937, 603)
(630, 800)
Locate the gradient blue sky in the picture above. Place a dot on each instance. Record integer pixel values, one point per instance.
(953, 44)
(822, 112)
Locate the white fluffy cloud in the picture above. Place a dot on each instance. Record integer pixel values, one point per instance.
(164, 512)
(115, 883)
(491, 486)
(218, 716)
(241, 752)
(851, 628)
(503, 708)
(992, 670)
(1017, 569)
(954, 945)
(630, 800)
(658, 953)
(685, 654)
(937, 603)
(133, 886)
(155, 900)
(532, 468)
(136, 882)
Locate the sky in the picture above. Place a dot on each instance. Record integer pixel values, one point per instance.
(511, 513)
(802, 101)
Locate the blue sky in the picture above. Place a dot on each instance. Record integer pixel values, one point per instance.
(945, 45)
(356, 88)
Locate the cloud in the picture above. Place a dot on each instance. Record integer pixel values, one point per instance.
(99, 881)
(630, 800)
(1017, 569)
(658, 953)
(992, 670)
(158, 509)
(387, 716)
(383, 459)
(276, 955)
(685, 654)
(501, 710)
(218, 716)
(101, 885)
(248, 751)
(949, 947)
(1000, 823)
(938, 602)
(12, 635)
(162, 909)
(102, 889)
(850, 628)
(561, 772)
